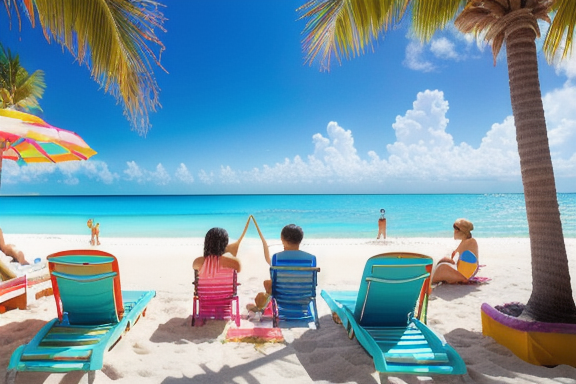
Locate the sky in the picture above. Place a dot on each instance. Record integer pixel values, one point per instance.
(243, 114)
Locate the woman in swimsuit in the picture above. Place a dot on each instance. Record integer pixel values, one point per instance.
(12, 251)
(215, 244)
(447, 269)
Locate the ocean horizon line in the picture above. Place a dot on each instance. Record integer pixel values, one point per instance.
(273, 194)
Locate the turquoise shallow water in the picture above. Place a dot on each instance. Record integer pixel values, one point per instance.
(331, 216)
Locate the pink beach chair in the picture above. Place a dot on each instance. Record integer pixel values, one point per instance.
(215, 294)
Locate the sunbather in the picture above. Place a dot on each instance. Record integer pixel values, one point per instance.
(12, 251)
(215, 244)
(447, 270)
(291, 237)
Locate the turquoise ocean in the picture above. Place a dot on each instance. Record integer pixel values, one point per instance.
(321, 216)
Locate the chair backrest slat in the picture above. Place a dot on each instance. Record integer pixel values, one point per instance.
(86, 285)
(391, 288)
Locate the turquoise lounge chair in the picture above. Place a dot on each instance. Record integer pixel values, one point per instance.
(294, 280)
(93, 314)
(388, 317)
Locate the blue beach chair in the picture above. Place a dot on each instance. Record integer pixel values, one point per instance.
(93, 314)
(294, 280)
(388, 317)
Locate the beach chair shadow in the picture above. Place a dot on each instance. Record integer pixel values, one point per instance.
(93, 314)
(177, 331)
(451, 292)
(316, 351)
(387, 315)
(216, 297)
(294, 279)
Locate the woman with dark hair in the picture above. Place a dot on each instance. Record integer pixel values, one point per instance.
(215, 244)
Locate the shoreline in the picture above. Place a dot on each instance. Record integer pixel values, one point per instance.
(163, 348)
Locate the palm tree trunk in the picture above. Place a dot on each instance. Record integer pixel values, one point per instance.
(551, 299)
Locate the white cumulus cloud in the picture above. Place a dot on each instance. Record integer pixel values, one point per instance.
(415, 58)
(182, 174)
(66, 172)
(444, 49)
(424, 151)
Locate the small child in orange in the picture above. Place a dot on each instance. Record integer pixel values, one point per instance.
(95, 232)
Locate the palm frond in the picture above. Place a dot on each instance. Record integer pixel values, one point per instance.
(111, 37)
(430, 16)
(28, 90)
(561, 32)
(18, 89)
(344, 28)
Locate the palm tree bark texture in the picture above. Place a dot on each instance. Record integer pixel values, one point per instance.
(551, 299)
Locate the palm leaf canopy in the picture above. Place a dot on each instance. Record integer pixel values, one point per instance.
(18, 89)
(111, 37)
(345, 28)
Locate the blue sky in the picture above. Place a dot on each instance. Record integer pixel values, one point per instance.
(242, 113)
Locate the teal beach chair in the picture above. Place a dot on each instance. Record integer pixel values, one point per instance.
(93, 314)
(294, 280)
(388, 317)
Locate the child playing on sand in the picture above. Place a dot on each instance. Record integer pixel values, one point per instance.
(95, 232)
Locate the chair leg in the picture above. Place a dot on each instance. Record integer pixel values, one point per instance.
(89, 377)
(237, 312)
(275, 313)
(194, 304)
(315, 314)
(11, 376)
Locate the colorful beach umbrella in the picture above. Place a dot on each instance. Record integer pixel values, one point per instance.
(26, 139)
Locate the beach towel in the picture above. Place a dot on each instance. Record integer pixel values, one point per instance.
(255, 335)
(477, 280)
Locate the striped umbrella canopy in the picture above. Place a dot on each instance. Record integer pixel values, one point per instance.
(26, 139)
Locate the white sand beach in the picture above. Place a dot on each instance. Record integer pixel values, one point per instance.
(162, 348)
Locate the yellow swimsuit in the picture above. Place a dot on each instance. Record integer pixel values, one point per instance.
(467, 264)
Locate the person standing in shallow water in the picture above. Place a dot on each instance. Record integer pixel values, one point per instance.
(382, 224)
(94, 231)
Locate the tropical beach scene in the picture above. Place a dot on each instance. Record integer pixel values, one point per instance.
(323, 191)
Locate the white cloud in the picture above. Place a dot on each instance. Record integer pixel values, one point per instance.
(66, 172)
(561, 123)
(160, 176)
(423, 151)
(182, 174)
(443, 48)
(228, 176)
(135, 173)
(567, 67)
(205, 177)
(414, 58)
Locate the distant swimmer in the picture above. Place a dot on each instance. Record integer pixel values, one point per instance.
(382, 224)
